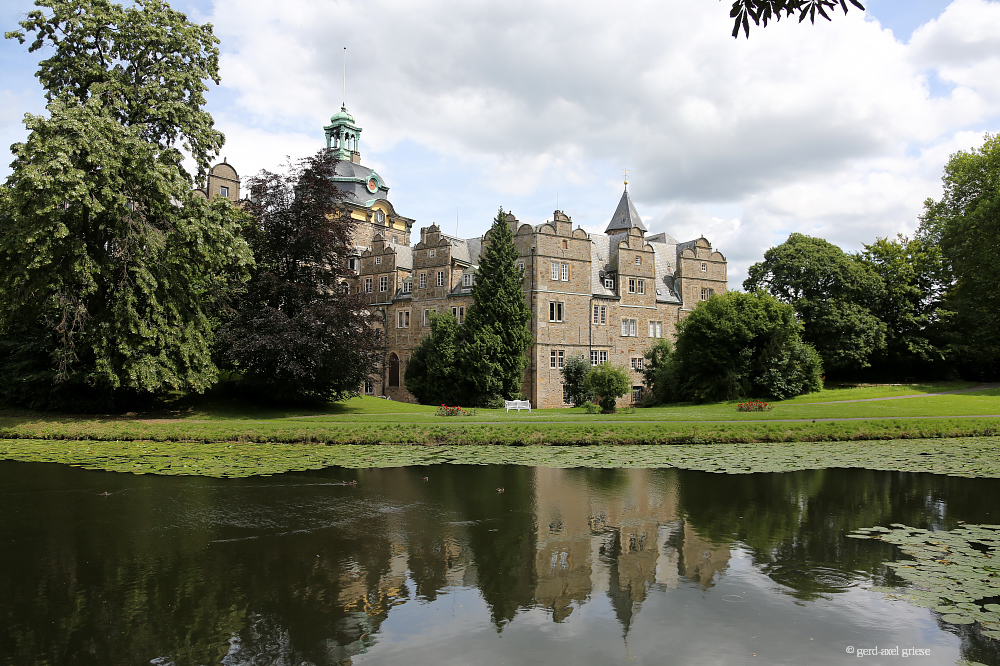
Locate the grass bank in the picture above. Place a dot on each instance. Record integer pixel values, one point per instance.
(202, 438)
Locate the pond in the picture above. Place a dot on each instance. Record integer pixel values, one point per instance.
(437, 565)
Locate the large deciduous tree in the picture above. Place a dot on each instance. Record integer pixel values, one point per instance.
(298, 334)
(737, 345)
(112, 272)
(831, 292)
(965, 224)
(496, 333)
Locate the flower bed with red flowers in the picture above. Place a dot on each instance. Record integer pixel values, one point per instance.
(445, 410)
(754, 406)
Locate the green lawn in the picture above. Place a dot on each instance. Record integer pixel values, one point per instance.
(368, 420)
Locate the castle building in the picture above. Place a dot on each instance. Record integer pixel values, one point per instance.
(606, 297)
(222, 181)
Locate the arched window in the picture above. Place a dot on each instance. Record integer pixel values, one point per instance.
(393, 370)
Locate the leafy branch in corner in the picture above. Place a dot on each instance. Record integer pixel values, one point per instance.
(762, 11)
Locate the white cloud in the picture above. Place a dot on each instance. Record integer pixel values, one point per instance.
(836, 129)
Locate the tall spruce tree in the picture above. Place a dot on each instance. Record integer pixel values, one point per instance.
(496, 324)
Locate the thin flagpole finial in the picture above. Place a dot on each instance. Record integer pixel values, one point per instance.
(344, 102)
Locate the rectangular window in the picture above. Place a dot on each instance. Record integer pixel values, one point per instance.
(408, 286)
(224, 192)
(637, 363)
(378, 260)
(403, 319)
(566, 396)
(636, 394)
(597, 314)
(628, 328)
(555, 311)
(427, 317)
(641, 286)
(562, 357)
(631, 285)
(552, 359)
(704, 267)
(368, 285)
(609, 283)
(555, 271)
(383, 283)
(459, 313)
(467, 280)
(638, 260)
(440, 278)
(369, 387)
(423, 280)
(600, 314)
(706, 293)
(604, 314)
(598, 357)
(431, 253)
(565, 271)
(656, 329)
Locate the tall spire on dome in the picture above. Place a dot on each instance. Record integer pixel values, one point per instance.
(342, 134)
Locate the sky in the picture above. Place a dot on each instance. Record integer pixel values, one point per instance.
(838, 130)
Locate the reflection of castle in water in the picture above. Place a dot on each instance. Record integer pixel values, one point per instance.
(587, 533)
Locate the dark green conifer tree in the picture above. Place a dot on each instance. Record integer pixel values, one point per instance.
(496, 325)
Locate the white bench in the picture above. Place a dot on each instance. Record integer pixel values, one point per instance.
(517, 404)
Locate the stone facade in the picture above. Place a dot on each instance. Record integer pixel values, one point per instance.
(222, 181)
(606, 297)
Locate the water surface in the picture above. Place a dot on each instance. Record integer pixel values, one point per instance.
(581, 566)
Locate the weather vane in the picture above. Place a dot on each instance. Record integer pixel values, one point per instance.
(626, 178)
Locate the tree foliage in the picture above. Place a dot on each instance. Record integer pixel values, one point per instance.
(910, 304)
(496, 334)
(610, 383)
(831, 292)
(432, 372)
(113, 271)
(574, 374)
(298, 335)
(965, 224)
(737, 345)
(147, 63)
(762, 11)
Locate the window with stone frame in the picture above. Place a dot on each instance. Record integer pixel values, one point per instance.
(423, 280)
(407, 286)
(656, 329)
(368, 285)
(629, 328)
(598, 356)
(640, 286)
(427, 316)
(707, 293)
(567, 398)
(638, 260)
(467, 280)
(609, 282)
(704, 267)
(555, 271)
(459, 313)
(378, 260)
(637, 362)
(369, 387)
(557, 358)
(636, 394)
(600, 314)
(565, 271)
(631, 285)
(555, 311)
(403, 319)
(224, 192)
(440, 278)
(383, 283)
(431, 253)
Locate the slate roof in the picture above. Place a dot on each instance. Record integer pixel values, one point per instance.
(625, 216)
(600, 257)
(351, 178)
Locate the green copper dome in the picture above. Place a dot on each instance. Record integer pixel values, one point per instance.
(342, 117)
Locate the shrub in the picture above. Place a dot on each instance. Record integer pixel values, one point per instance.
(610, 383)
(574, 374)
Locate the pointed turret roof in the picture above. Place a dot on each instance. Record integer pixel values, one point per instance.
(625, 216)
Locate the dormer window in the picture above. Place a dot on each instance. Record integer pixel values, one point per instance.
(609, 282)
(467, 280)
(407, 286)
